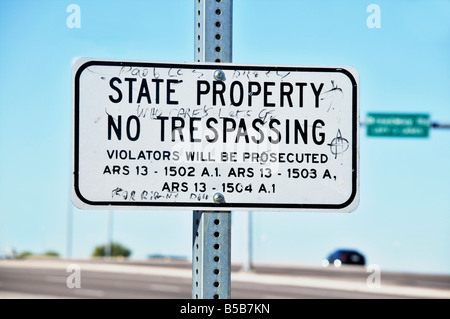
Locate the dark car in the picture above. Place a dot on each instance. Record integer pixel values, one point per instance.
(345, 257)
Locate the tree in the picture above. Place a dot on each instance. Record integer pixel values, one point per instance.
(25, 254)
(51, 253)
(117, 250)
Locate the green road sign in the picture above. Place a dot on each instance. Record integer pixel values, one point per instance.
(397, 125)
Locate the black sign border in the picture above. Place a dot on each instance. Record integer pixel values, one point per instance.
(214, 206)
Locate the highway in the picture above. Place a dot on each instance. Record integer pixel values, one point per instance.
(172, 279)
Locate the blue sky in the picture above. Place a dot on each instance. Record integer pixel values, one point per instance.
(403, 220)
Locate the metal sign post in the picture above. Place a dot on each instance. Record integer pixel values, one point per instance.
(211, 244)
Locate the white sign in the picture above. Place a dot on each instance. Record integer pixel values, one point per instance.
(173, 135)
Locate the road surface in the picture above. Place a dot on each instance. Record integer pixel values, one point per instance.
(172, 279)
